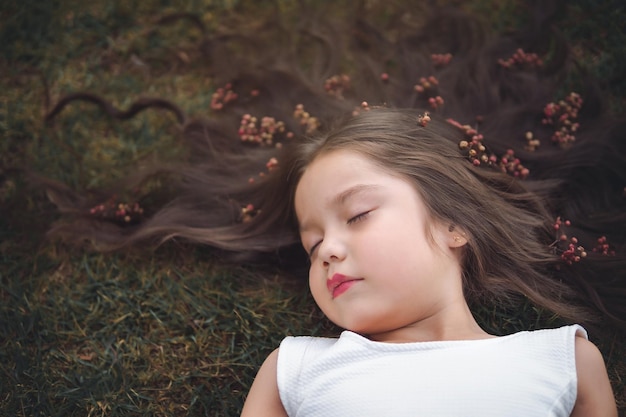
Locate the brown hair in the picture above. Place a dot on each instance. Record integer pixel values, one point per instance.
(507, 225)
(508, 221)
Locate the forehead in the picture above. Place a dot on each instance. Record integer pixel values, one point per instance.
(332, 170)
(334, 178)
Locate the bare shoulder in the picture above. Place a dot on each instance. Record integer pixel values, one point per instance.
(595, 396)
(263, 399)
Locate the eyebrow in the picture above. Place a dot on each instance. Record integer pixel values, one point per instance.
(341, 198)
(347, 194)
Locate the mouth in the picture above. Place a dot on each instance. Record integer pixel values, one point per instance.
(339, 284)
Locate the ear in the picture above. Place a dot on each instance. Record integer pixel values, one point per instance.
(456, 237)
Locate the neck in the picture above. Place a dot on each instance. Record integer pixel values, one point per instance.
(454, 322)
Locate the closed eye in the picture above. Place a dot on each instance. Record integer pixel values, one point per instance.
(313, 249)
(359, 217)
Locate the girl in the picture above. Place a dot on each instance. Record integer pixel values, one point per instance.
(408, 218)
(400, 228)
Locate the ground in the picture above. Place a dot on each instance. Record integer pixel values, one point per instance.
(171, 332)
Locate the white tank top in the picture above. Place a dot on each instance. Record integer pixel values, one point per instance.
(525, 374)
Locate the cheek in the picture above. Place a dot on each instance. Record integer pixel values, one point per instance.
(317, 284)
(404, 254)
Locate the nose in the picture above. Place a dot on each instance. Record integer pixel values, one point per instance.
(332, 249)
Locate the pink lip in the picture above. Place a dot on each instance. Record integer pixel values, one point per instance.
(339, 283)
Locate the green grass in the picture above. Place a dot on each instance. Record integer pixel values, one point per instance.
(164, 335)
(172, 331)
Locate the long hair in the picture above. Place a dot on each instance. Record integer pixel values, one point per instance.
(217, 197)
(509, 230)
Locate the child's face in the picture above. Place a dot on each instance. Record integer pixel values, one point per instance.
(378, 263)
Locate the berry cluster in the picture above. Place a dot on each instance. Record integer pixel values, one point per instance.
(562, 116)
(363, 107)
(532, 143)
(603, 247)
(441, 60)
(521, 59)
(569, 248)
(426, 84)
(428, 88)
(223, 96)
(424, 119)
(264, 133)
(336, 85)
(478, 154)
(121, 213)
(511, 165)
(435, 102)
(476, 151)
(271, 165)
(247, 213)
(310, 123)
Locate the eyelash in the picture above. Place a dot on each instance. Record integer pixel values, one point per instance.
(313, 249)
(358, 218)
